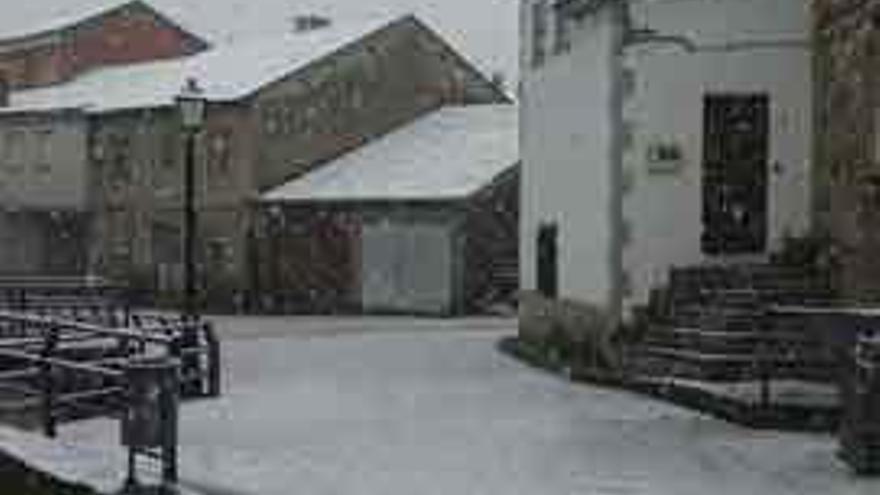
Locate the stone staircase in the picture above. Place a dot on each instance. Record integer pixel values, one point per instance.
(710, 341)
(709, 325)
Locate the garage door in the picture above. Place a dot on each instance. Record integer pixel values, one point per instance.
(406, 268)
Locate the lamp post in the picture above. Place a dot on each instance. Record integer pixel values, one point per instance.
(191, 105)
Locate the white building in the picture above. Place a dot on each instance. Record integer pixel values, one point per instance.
(659, 133)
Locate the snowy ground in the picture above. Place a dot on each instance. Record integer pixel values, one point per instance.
(388, 406)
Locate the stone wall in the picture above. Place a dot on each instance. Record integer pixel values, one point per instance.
(847, 145)
(582, 333)
(285, 130)
(128, 34)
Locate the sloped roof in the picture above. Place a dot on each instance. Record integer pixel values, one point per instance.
(450, 154)
(59, 18)
(486, 31)
(226, 72)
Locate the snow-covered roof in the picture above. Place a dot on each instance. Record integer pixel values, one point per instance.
(58, 17)
(486, 31)
(226, 72)
(449, 154)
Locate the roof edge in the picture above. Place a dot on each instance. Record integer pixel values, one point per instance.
(110, 9)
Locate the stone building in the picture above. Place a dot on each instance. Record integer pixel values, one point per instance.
(45, 179)
(61, 49)
(657, 135)
(44, 201)
(847, 140)
(423, 220)
(278, 107)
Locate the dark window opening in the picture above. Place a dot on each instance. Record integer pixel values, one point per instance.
(548, 268)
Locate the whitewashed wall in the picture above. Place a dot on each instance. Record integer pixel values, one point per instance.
(565, 139)
(566, 134)
(664, 210)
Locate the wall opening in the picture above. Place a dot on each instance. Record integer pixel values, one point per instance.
(548, 262)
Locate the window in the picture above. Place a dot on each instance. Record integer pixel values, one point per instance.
(287, 114)
(373, 66)
(629, 82)
(43, 144)
(219, 155)
(168, 151)
(270, 119)
(356, 96)
(13, 147)
(539, 33)
(220, 254)
(562, 35)
(118, 172)
(4, 89)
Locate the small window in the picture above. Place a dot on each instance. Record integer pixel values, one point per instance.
(43, 145)
(13, 149)
(220, 254)
(219, 155)
(562, 35)
(356, 96)
(271, 126)
(119, 171)
(539, 33)
(629, 82)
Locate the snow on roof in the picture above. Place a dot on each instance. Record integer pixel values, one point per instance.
(486, 31)
(57, 17)
(227, 72)
(450, 154)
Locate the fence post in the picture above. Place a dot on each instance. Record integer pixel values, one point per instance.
(764, 355)
(47, 372)
(213, 349)
(169, 412)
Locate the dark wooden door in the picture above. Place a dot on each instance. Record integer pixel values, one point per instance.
(548, 263)
(735, 153)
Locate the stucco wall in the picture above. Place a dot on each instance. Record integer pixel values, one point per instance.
(664, 208)
(567, 125)
(565, 147)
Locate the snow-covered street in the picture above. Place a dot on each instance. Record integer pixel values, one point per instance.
(391, 406)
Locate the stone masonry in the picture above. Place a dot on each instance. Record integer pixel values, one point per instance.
(847, 142)
(283, 131)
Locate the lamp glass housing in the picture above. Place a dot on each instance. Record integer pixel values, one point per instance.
(191, 105)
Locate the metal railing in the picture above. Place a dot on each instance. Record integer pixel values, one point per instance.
(68, 368)
(54, 369)
(860, 431)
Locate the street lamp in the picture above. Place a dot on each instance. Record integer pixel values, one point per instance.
(191, 105)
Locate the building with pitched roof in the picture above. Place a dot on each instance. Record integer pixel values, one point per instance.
(278, 107)
(423, 220)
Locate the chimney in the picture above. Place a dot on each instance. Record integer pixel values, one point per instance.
(311, 22)
(5, 88)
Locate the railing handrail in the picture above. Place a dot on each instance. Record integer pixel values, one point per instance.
(77, 366)
(47, 322)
